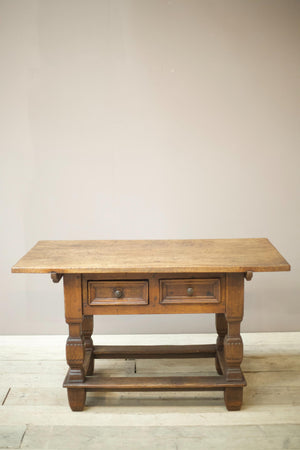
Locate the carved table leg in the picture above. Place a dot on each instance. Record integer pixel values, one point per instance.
(233, 351)
(88, 326)
(75, 347)
(221, 326)
(233, 344)
(75, 352)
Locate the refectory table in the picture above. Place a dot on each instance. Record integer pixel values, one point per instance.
(153, 277)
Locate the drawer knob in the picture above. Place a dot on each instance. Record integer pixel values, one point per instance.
(190, 291)
(118, 293)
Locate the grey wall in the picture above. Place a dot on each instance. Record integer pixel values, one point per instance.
(149, 119)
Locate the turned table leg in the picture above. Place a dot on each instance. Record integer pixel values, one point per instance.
(75, 352)
(233, 344)
(233, 352)
(75, 347)
(221, 326)
(87, 327)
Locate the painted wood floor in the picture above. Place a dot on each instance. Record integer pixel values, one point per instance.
(34, 412)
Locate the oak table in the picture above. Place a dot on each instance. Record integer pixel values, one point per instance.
(153, 277)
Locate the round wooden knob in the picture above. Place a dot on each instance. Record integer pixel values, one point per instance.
(190, 291)
(118, 293)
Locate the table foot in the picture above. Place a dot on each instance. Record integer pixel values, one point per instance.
(233, 397)
(76, 399)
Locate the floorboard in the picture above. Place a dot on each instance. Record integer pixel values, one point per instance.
(34, 413)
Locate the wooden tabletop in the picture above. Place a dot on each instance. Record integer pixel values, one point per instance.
(207, 255)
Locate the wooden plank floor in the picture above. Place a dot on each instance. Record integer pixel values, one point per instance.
(34, 413)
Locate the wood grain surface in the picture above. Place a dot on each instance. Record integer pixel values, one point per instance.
(131, 256)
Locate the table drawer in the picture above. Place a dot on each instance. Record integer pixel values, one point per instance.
(190, 291)
(110, 293)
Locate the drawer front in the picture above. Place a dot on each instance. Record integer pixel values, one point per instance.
(110, 293)
(190, 291)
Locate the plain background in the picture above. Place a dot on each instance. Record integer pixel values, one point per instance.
(149, 119)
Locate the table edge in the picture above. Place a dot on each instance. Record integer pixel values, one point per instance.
(215, 269)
